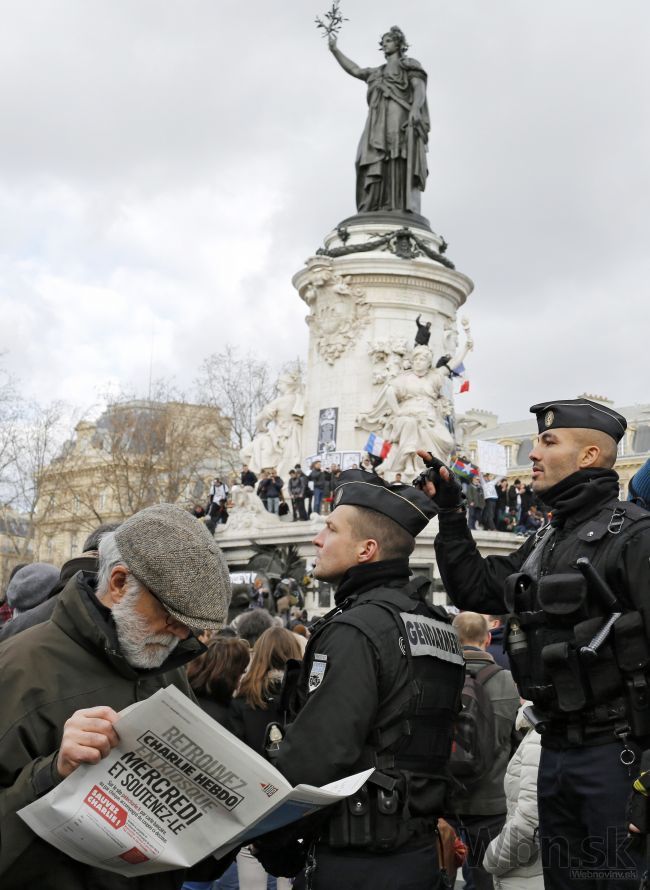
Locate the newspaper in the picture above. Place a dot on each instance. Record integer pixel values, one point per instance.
(176, 789)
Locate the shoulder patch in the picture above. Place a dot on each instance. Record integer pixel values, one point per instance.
(317, 672)
(427, 636)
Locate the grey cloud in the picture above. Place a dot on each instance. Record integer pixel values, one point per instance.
(161, 112)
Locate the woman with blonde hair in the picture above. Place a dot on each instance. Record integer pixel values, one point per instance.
(256, 705)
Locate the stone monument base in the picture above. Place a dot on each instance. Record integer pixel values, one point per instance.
(394, 219)
(375, 278)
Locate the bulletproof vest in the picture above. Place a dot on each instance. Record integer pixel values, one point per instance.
(410, 742)
(569, 654)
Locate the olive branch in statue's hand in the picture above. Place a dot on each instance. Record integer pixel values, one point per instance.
(331, 25)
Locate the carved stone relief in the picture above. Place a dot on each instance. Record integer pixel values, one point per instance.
(339, 310)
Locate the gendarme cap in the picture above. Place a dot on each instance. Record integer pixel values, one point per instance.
(404, 504)
(579, 414)
(176, 558)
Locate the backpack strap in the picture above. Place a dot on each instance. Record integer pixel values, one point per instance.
(487, 673)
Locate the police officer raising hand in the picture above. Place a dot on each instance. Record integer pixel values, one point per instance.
(577, 635)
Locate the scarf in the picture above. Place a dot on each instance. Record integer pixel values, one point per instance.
(358, 579)
(580, 491)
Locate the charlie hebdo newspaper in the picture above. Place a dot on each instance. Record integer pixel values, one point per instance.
(177, 788)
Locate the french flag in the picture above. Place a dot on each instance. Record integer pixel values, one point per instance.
(377, 447)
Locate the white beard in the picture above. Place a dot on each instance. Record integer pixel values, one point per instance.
(141, 649)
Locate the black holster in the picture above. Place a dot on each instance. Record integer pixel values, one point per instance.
(376, 817)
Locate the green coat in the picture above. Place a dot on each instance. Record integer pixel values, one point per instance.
(48, 672)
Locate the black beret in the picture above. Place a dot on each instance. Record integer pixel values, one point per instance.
(579, 414)
(404, 504)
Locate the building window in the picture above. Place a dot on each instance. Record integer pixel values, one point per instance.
(101, 503)
(523, 451)
(508, 449)
(49, 548)
(642, 439)
(621, 448)
(73, 544)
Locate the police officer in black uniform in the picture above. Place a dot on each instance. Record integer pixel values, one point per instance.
(578, 598)
(380, 687)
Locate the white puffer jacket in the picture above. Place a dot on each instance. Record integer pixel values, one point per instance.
(513, 858)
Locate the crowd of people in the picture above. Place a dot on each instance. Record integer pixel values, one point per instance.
(502, 505)
(502, 734)
(493, 504)
(303, 493)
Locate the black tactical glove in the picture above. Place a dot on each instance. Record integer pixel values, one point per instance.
(638, 809)
(283, 852)
(284, 861)
(449, 495)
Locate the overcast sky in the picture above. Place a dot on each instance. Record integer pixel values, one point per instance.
(166, 166)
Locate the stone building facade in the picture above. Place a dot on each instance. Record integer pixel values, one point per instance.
(136, 454)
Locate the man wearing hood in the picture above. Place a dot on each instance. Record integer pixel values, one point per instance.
(111, 641)
(589, 689)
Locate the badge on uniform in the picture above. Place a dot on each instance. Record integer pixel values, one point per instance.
(427, 636)
(317, 672)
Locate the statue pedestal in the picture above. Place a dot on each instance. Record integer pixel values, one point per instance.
(363, 306)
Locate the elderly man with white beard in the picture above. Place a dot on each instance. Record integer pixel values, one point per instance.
(113, 639)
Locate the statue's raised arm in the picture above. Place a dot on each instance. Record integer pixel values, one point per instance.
(391, 159)
(345, 63)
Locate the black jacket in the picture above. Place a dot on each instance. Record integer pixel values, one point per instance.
(221, 713)
(317, 478)
(583, 505)
(347, 680)
(476, 583)
(249, 723)
(86, 563)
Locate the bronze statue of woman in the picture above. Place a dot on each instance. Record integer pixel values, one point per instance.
(391, 160)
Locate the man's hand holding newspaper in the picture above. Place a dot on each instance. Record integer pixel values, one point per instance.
(161, 786)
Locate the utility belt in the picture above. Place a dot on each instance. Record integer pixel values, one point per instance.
(571, 665)
(378, 817)
(593, 726)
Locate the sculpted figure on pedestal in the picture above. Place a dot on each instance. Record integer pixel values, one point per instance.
(391, 159)
(423, 334)
(278, 430)
(247, 512)
(413, 408)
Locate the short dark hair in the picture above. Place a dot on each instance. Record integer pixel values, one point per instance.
(251, 625)
(394, 541)
(93, 539)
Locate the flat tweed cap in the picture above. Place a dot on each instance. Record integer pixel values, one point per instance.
(404, 504)
(579, 414)
(176, 558)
